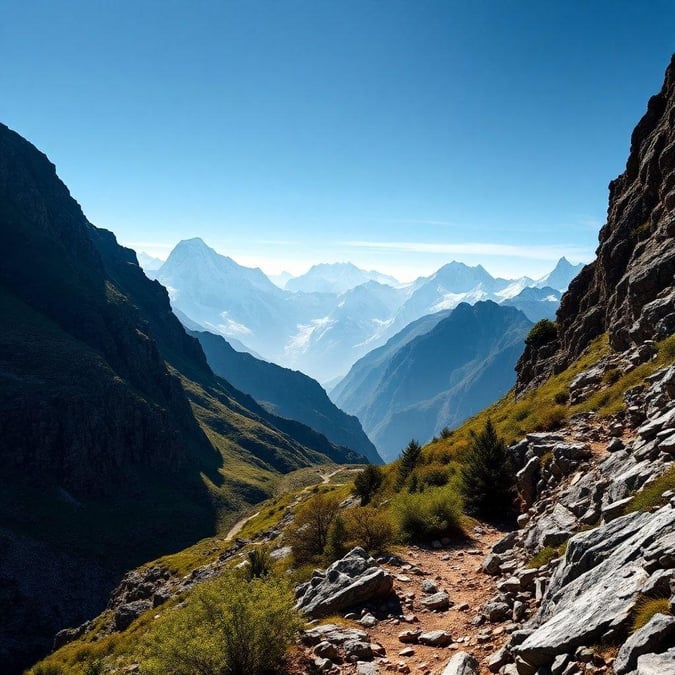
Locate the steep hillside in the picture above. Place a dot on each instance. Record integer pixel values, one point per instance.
(628, 290)
(287, 393)
(117, 442)
(439, 378)
(362, 379)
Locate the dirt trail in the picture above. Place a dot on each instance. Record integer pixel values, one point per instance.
(455, 569)
(236, 528)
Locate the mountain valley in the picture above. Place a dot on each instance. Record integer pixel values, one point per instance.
(206, 470)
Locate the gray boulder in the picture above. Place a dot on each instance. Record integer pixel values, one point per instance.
(435, 638)
(352, 580)
(461, 664)
(551, 529)
(657, 633)
(357, 650)
(656, 664)
(526, 480)
(126, 614)
(438, 601)
(608, 562)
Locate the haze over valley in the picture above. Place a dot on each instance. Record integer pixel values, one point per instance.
(326, 349)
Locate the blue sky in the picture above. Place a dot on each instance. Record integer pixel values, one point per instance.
(398, 135)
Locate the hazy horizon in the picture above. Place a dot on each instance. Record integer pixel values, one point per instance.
(276, 268)
(398, 136)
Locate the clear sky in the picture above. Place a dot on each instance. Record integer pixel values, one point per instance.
(396, 134)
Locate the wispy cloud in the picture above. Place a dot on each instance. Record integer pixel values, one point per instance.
(533, 252)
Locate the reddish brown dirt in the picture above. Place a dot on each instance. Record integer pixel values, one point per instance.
(456, 569)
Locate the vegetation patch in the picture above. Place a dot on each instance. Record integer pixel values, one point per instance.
(651, 496)
(228, 625)
(545, 555)
(646, 608)
(488, 483)
(425, 515)
(541, 333)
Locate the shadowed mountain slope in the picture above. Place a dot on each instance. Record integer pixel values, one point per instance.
(287, 393)
(117, 441)
(421, 382)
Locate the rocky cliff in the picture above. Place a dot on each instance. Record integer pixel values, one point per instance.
(628, 291)
(117, 441)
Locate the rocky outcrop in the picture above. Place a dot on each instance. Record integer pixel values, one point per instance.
(352, 580)
(595, 549)
(628, 290)
(461, 664)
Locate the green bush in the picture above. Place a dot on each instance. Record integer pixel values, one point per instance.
(487, 477)
(369, 528)
(308, 534)
(367, 483)
(259, 562)
(229, 625)
(432, 475)
(542, 332)
(336, 540)
(424, 515)
(407, 462)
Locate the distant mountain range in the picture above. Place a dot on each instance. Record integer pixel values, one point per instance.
(335, 278)
(286, 393)
(438, 371)
(319, 328)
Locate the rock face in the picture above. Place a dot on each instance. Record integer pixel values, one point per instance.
(624, 558)
(628, 290)
(350, 581)
(615, 558)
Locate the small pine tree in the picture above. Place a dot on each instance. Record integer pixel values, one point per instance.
(488, 482)
(407, 462)
(367, 483)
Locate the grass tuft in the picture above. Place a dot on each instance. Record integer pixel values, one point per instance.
(651, 495)
(646, 609)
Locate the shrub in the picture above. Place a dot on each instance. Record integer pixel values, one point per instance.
(259, 562)
(446, 433)
(407, 462)
(542, 332)
(367, 483)
(561, 397)
(229, 626)
(336, 540)
(432, 513)
(645, 610)
(369, 528)
(309, 533)
(487, 478)
(432, 475)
